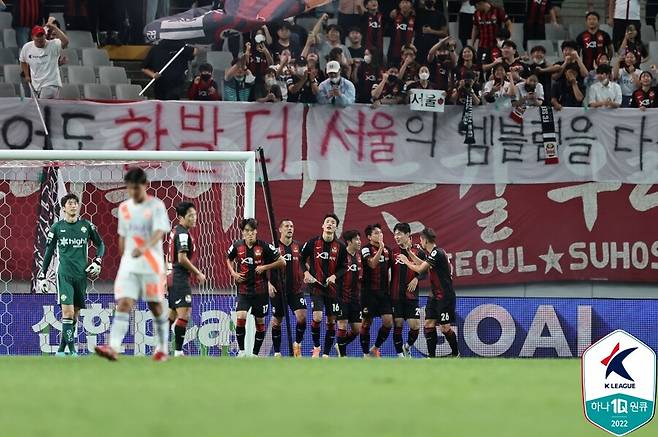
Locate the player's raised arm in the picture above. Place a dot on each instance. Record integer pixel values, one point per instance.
(421, 268)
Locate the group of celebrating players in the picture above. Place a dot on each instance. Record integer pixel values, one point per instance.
(350, 284)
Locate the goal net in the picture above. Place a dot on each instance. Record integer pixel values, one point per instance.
(220, 184)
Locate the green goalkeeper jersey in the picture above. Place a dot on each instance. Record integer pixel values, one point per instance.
(72, 243)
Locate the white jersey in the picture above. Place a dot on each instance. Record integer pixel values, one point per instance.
(43, 62)
(137, 222)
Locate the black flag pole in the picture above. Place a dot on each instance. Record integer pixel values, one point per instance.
(265, 181)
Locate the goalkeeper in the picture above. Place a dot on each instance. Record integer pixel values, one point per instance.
(71, 237)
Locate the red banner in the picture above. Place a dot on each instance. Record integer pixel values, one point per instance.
(494, 234)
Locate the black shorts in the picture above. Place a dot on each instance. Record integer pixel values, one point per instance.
(350, 311)
(375, 304)
(180, 295)
(330, 305)
(258, 303)
(441, 310)
(295, 302)
(406, 309)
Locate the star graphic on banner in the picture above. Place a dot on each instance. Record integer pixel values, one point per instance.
(552, 260)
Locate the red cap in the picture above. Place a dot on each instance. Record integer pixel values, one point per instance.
(38, 30)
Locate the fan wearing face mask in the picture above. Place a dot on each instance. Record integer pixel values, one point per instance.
(423, 82)
(203, 86)
(303, 85)
(336, 90)
(238, 80)
(367, 74)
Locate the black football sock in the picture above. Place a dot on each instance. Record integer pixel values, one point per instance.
(259, 337)
(300, 331)
(239, 332)
(276, 339)
(341, 339)
(382, 335)
(452, 341)
(315, 333)
(329, 338)
(412, 337)
(179, 333)
(431, 337)
(364, 336)
(350, 337)
(397, 339)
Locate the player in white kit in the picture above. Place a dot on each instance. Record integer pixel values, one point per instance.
(143, 222)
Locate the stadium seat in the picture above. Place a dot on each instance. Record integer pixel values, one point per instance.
(95, 58)
(219, 60)
(7, 56)
(69, 92)
(128, 92)
(97, 91)
(79, 39)
(653, 52)
(79, 75)
(306, 22)
(7, 90)
(453, 29)
(516, 34)
(9, 38)
(12, 73)
(575, 30)
(5, 20)
(59, 16)
(548, 45)
(606, 28)
(72, 56)
(555, 32)
(648, 34)
(387, 44)
(112, 75)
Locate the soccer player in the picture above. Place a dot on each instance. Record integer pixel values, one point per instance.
(323, 261)
(404, 295)
(143, 222)
(290, 282)
(376, 297)
(181, 250)
(348, 290)
(253, 258)
(441, 305)
(71, 237)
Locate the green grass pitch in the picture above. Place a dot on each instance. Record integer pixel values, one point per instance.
(48, 396)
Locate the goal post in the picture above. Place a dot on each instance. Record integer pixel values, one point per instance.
(220, 184)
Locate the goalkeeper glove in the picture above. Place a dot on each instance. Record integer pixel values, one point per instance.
(93, 270)
(42, 283)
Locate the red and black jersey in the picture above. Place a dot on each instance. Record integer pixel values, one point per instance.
(258, 64)
(488, 56)
(324, 259)
(592, 45)
(460, 71)
(349, 285)
(536, 12)
(440, 74)
(403, 33)
(401, 275)
(374, 32)
(440, 274)
(376, 280)
(644, 99)
(27, 13)
(248, 258)
(290, 279)
(488, 25)
(180, 241)
(367, 77)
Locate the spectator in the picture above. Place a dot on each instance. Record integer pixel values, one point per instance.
(169, 84)
(645, 96)
(204, 86)
(313, 65)
(467, 85)
(409, 68)
(593, 41)
(283, 41)
(40, 61)
(238, 80)
(355, 48)
(298, 34)
(390, 91)
(349, 13)
(535, 20)
(488, 57)
(337, 55)
(26, 13)
(261, 59)
(627, 76)
(622, 13)
(512, 62)
(303, 85)
(633, 42)
(284, 69)
(467, 65)
(404, 18)
(500, 89)
(335, 90)
(269, 91)
(530, 92)
(333, 41)
(430, 27)
(539, 68)
(604, 93)
(374, 25)
(570, 59)
(422, 82)
(77, 14)
(366, 74)
(50, 35)
(488, 20)
(442, 59)
(569, 92)
(466, 12)
(591, 76)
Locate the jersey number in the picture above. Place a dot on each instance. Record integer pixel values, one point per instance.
(445, 317)
(265, 308)
(336, 307)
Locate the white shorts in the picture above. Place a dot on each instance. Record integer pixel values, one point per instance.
(146, 286)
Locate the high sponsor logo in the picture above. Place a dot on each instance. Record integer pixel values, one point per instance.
(619, 383)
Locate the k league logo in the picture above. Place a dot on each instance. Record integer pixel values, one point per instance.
(619, 383)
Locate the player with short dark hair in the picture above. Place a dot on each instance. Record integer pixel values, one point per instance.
(348, 289)
(404, 293)
(71, 237)
(254, 258)
(289, 281)
(375, 295)
(441, 305)
(323, 261)
(181, 250)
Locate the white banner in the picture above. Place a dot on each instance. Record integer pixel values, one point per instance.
(427, 100)
(394, 144)
(153, 125)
